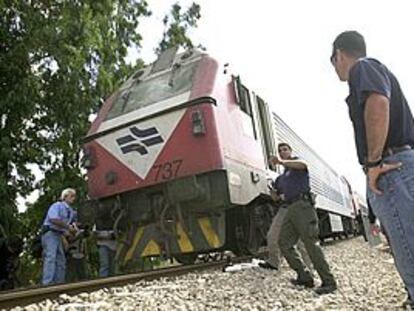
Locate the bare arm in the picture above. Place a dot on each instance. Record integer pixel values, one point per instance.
(59, 223)
(295, 164)
(376, 116)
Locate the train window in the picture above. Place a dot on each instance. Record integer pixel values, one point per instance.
(266, 127)
(242, 96)
(155, 88)
(245, 103)
(243, 100)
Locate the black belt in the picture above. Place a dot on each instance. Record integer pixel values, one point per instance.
(393, 150)
(46, 229)
(303, 196)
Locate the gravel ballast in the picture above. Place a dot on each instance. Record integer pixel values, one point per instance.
(367, 280)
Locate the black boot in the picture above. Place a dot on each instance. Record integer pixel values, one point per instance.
(326, 288)
(303, 279)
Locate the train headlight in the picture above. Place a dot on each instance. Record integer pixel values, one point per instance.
(88, 159)
(197, 119)
(111, 177)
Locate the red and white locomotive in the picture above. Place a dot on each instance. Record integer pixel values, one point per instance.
(177, 159)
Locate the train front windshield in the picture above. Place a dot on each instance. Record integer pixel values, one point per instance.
(153, 89)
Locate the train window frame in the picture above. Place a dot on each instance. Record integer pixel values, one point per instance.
(265, 124)
(132, 99)
(244, 101)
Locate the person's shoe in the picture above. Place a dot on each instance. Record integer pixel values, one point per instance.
(303, 282)
(266, 265)
(326, 288)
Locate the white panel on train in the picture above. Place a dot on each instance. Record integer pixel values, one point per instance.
(336, 223)
(138, 145)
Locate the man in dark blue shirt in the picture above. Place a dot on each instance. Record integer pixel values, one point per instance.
(300, 221)
(384, 136)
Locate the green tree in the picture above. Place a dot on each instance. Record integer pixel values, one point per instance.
(177, 24)
(58, 62)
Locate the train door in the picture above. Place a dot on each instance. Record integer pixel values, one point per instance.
(266, 130)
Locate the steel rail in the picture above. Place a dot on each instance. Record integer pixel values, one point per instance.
(24, 297)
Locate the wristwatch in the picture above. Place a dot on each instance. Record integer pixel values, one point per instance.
(372, 164)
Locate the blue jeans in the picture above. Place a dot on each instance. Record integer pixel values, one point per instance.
(106, 261)
(395, 209)
(54, 260)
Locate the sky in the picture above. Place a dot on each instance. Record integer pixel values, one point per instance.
(281, 51)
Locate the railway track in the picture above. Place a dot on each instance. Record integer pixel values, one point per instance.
(23, 297)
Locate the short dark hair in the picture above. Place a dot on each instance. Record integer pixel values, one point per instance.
(351, 42)
(284, 145)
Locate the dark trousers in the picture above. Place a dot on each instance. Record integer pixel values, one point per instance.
(76, 269)
(301, 221)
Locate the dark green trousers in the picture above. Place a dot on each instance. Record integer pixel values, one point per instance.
(76, 269)
(301, 221)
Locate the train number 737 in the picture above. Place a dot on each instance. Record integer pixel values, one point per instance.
(167, 170)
